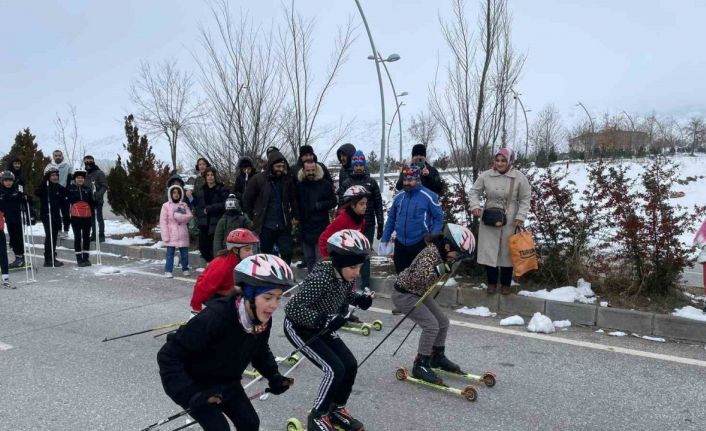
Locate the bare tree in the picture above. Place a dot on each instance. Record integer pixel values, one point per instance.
(67, 137)
(242, 80)
(547, 133)
(696, 130)
(166, 101)
(424, 129)
(304, 102)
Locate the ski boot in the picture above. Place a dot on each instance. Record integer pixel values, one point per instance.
(318, 421)
(439, 360)
(48, 263)
(86, 259)
(352, 318)
(422, 370)
(341, 418)
(19, 262)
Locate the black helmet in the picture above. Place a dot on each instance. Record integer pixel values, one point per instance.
(79, 173)
(7, 175)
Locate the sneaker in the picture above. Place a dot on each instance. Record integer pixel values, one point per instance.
(505, 290)
(186, 273)
(19, 262)
(439, 360)
(319, 422)
(422, 370)
(492, 288)
(7, 285)
(58, 263)
(342, 418)
(169, 275)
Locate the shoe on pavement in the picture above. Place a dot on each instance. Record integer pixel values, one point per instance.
(19, 262)
(342, 418)
(422, 370)
(186, 273)
(7, 285)
(505, 290)
(169, 275)
(492, 289)
(396, 312)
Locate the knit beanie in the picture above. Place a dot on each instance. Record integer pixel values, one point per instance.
(419, 150)
(358, 159)
(305, 149)
(410, 173)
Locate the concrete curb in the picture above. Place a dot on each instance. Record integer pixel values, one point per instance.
(639, 322)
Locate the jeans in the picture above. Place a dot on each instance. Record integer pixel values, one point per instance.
(311, 254)
(405, 254)
(283, 239)
(365, 271)
(183, 258)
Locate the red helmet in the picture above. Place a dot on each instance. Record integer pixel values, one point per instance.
(238, 238)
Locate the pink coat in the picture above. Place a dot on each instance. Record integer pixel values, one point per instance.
(700, 238)
(174, 225)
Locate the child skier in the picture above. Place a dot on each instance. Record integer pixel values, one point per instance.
(217, 279)
(3, 248)
(231, 220)
(351, 215)
(202, 363)
(14, 202)
(312, 318)
(174, 221)
(52, 195)
(426, 269)
(82, 204)
(700, 242)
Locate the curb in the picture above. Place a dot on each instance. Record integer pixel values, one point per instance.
(639, 322)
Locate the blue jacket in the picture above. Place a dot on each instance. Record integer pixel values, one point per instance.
(413, 214)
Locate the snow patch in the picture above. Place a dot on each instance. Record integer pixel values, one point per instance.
(690, 312)
(563, 294)
(617, 334)
(561, 323)
(477, 311)
(647, 337)
(512, 320)
(541, 323)
(604, 303)
(482, 286)
(106, 270)
(600, 331)
(451, 282)
(136, 240)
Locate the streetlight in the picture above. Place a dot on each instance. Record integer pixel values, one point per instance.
(382, 95)
(389, 129)
(524, 111)
(592, 127)
(390, 59)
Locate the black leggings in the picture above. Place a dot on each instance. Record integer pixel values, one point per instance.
(82, 236)
(3, 254)
(50, 239)
(206, 243)
(332, 356)
(16, 238)
(235, 405)
(505, 275)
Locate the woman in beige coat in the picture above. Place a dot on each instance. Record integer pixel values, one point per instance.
(494, 185)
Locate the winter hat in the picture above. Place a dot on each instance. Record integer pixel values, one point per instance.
(507, 153)
(80, 173)
(410, 173)
(345, 260)
(270, 150)
(274, 157)
(419, 150)
(305, 149)
(358, 159)
(232, 203)
(245, 162)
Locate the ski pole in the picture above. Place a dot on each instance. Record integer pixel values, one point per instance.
(51, 230)
(453, 272)
(31, 243)
(157, 328)
(99, 260)
(25, 237)
(165, 333)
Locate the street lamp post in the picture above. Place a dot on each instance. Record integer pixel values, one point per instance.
(391, 58)
(593, 130)
(524, 111)
(382, 97)
(389, 129)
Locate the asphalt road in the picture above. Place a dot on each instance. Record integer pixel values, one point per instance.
(56, 374)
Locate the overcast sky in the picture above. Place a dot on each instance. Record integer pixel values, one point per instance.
(638, 56)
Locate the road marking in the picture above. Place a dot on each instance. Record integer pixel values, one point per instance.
(4, 346)
(571, 342)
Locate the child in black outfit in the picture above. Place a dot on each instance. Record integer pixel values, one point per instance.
(82, 206)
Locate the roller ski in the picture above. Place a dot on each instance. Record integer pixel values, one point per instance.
(375, 324)
(338, 419)
(289, 360)
(469, 392)
(440, 364)
(361, 328)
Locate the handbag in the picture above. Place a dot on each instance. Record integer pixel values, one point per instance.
(497, 217)
(523, 252)
(81, 209)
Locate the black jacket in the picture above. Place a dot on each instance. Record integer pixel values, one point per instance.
(12, 204)
(96, 177)
(54, 194)
(212, 349)
(374, 212)
(213, 200)
(294, 170)
(316, 198)
(347, 169)
(76, 193)
(257, 195)
(19, 175)
(241, 181)
(431, 181)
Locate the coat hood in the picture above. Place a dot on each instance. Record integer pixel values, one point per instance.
(274, 157)
(244, 162)
(346, 149)
(176, 177)
(319, 174)
(169, 193)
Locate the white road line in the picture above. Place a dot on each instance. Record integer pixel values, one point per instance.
(4, 346)
(571, 342)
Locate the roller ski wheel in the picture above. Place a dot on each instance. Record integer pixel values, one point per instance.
(469, 392)
(293, 424)
(363, 329)
(289, 360)
(488, 378)
(377, 325)
(251, 373)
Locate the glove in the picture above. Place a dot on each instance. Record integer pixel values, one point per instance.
(379, 232)
(384, 248)
(363, 301)
(279, 384)
(442, 268)
(180, 210)
(202, 399)
(334, 322)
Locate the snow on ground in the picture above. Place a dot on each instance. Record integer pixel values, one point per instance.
(599, 331)
(604, 303)
(112, 227)
(658, 339)
(512, 321)
(135, 240)
(541, 323)
(108, 270)
(451, 282)
(561, 323)
(477, 311)
(617, 334)
(564, 294)
(690, 312)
